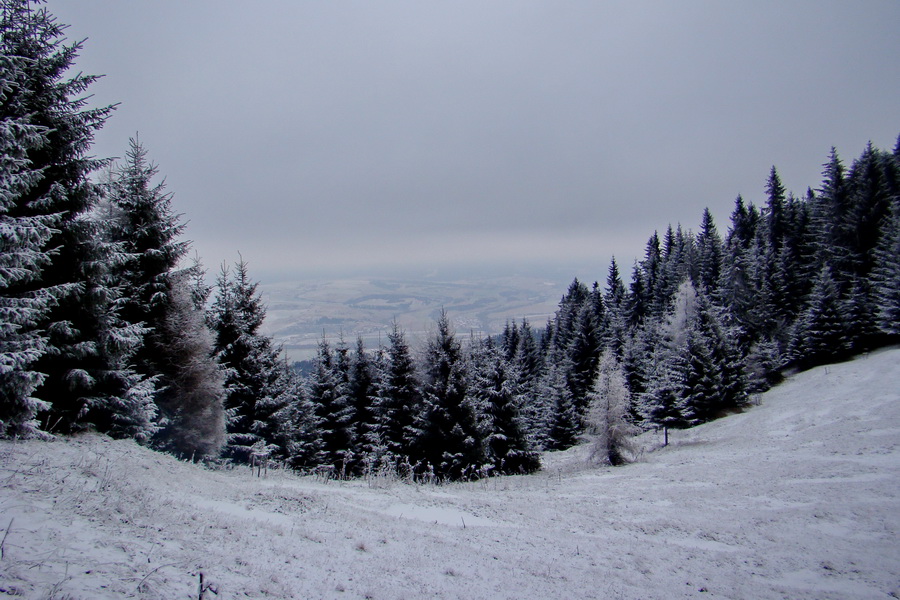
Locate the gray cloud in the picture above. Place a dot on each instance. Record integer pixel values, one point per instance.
(321, 134)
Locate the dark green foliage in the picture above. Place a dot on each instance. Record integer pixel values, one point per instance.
(886, 277)
(494, 389)
(329, 390)
(257, 408)
(448, 441)
(819, 334)
(708, 255)
(397, 401)
(564, 423)
(85, 365)
(22, 256)
(177, 347)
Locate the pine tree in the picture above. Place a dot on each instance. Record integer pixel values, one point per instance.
(763, 366)
(774, 213)
(300, 426)
(796, 263)
(361, 390)
(830, 206)
(886, 276)
(85, 369)
(676, 263)
(583, 351)
(615, 327)
(744, 222)
(527, 358)
(329, 391)
(398, 401)
(662, 403)
(494, 389)
(650, 274)
(696, 371)
(709, 255)
(527, 371)
(636, 308)
(699, 378)
(148, 230)
(156, 294)
(873, 187)
(819, 333)
(22, 256)
(255, 399)
(448, 439)
(564, 424)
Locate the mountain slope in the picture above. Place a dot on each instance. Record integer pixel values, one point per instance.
(798, 497)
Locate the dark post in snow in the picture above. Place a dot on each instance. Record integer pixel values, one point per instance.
(204, 587)
(260, 462)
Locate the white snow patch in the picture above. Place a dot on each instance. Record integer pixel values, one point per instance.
(437, 514)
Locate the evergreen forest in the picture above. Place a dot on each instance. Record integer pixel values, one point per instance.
(107, 325)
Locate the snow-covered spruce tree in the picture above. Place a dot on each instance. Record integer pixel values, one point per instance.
(773, 214)
(737, 284)
(830, 206)
(695, 371)
(607, 423)
(651, 275)
(564, 422)
(886, 277)
(448, 440)
(763, 365)
(157, 293)
(298, 435)
(818, 335)
(719, 334)
(662, 403)
(111, 396)
(614, 327)
(576, 338)
(22, 255)
(708, 255)
(874, 186)
(527, 368)
(637, 352)
(149, 232)
(676, 262)
(493, 389)
(328, 390)
(397, 403)
(257, 407)
(850, 212)
(584, 347)
(86, 366)
(509, 339)
(361, 389)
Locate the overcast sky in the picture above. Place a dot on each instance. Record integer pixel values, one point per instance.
(322, 136)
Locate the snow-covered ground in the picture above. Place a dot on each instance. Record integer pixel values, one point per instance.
(798, 497)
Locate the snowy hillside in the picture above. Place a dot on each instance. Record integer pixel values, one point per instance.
(798, 497)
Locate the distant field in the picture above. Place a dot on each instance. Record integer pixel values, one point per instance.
(300, 313)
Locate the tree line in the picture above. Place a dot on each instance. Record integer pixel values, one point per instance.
(106, 325)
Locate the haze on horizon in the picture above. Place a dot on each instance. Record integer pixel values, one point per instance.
(328, 138)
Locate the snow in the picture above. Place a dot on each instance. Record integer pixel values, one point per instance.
(798, 497)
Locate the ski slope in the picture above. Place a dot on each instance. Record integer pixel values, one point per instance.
(798, 497)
